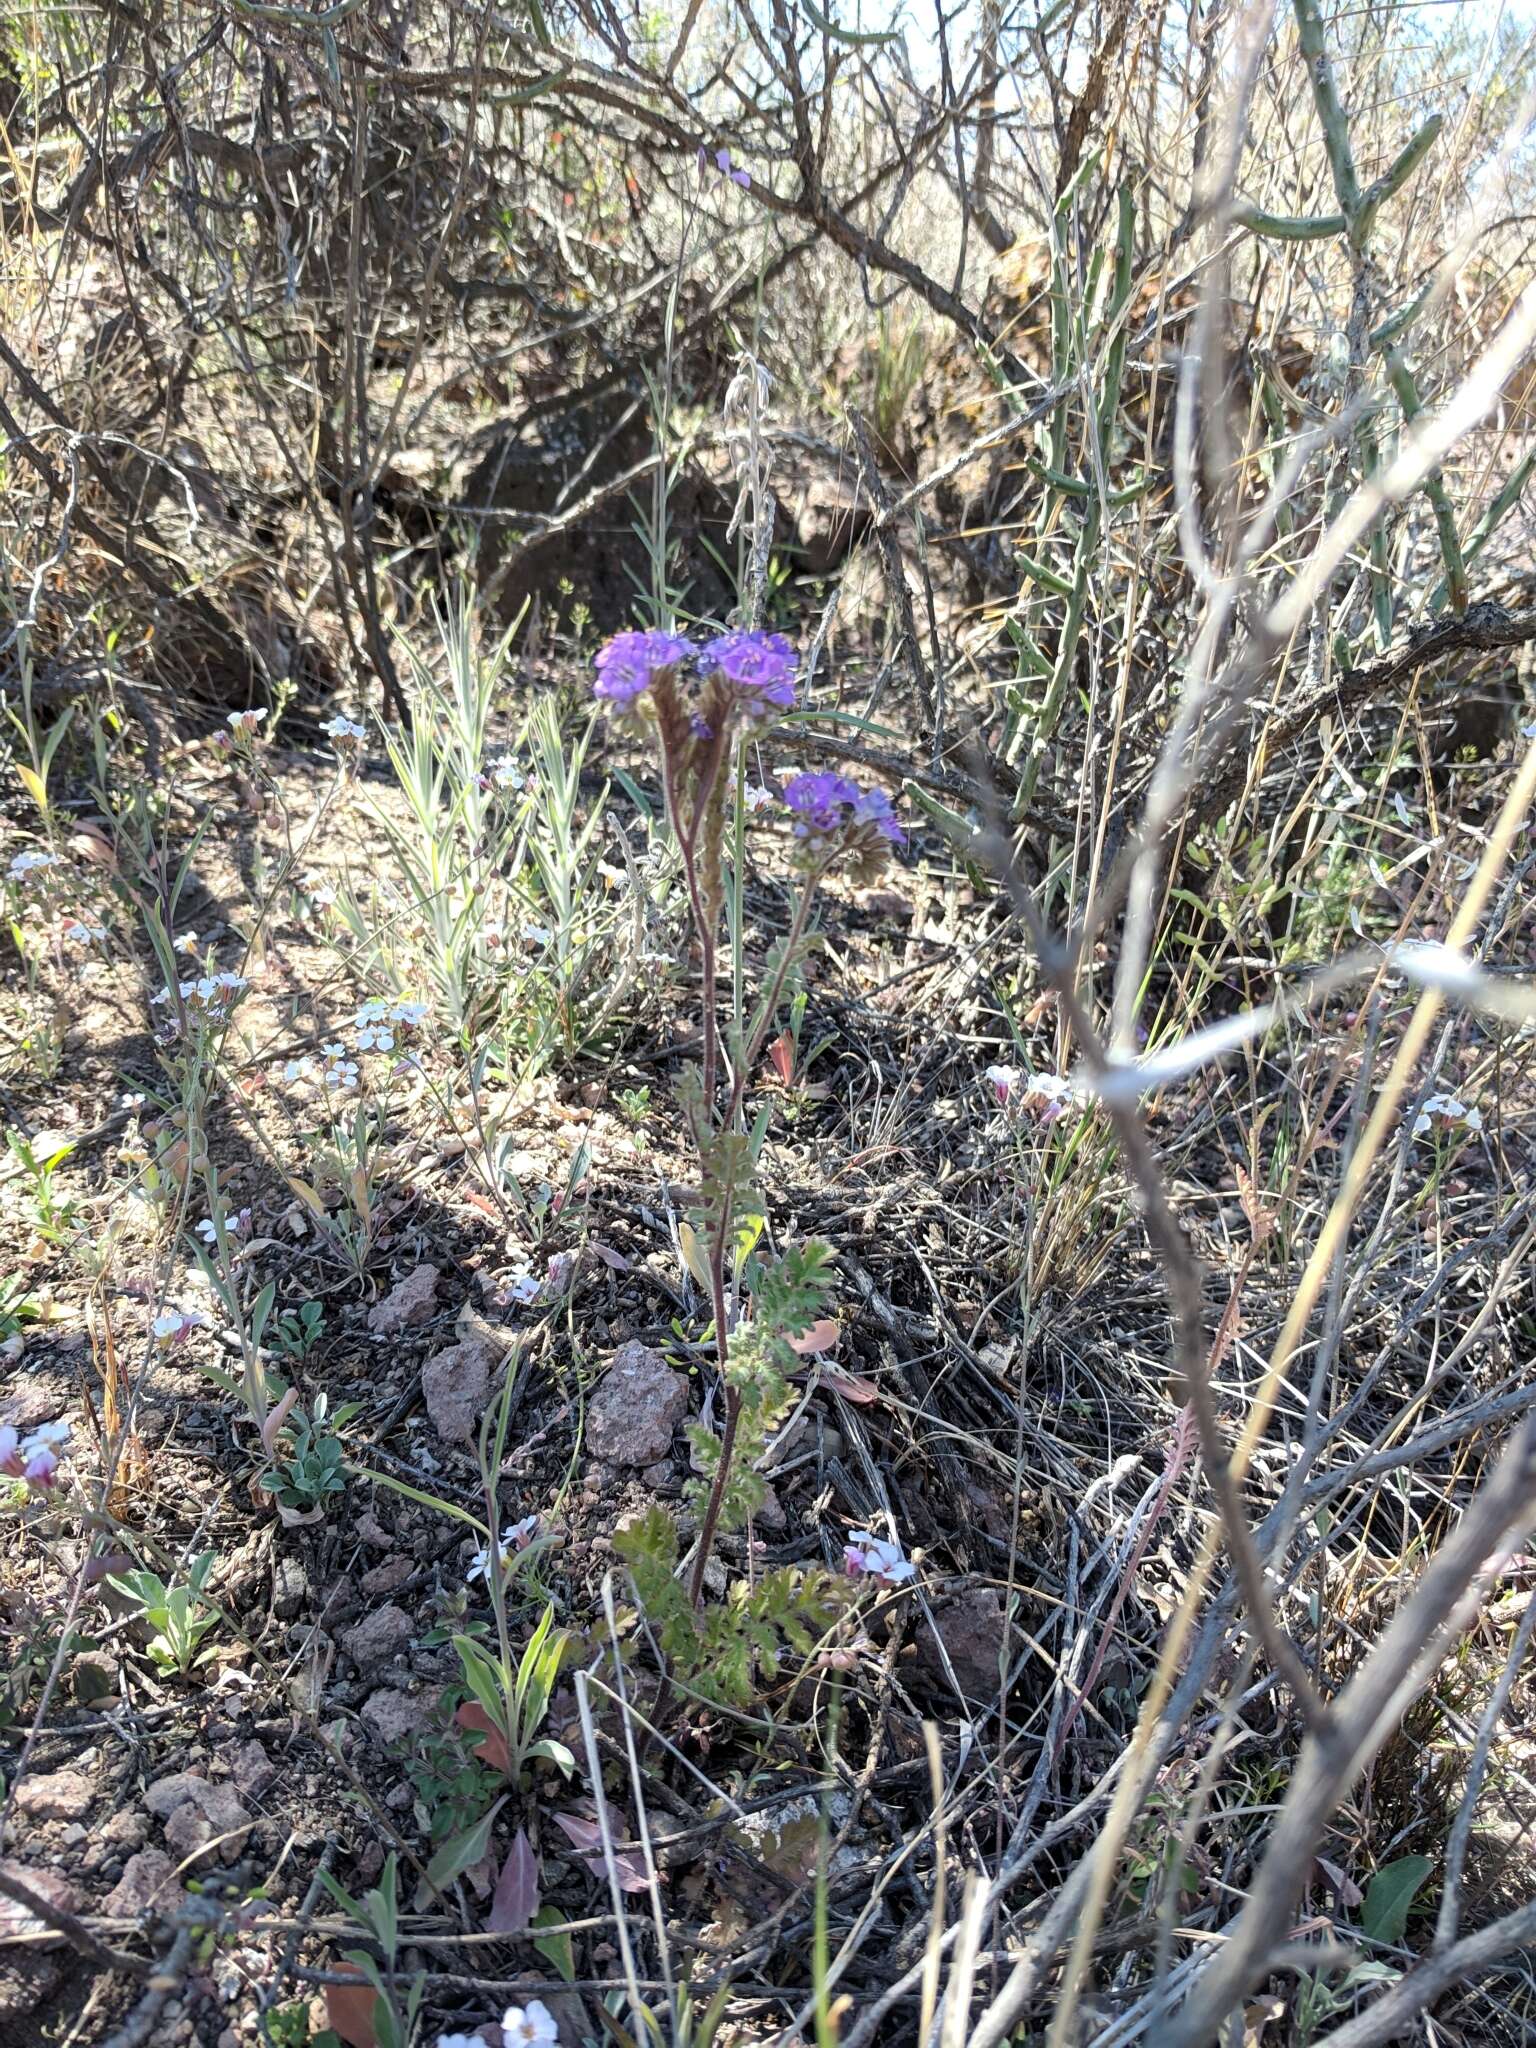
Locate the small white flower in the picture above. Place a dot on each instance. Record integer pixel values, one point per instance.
(83, 933)
(1003, 1080)
(344, 730)
(175, 1325)
(375, 1038)
(460, 2041)
(245, 721)
(537, 935)
(529, 2026)
(187, 943)
(518, 1537)
(756, 798)
(333, 1049)
(130, 1102)
(867, 1556)
(410, 1014)
(299, 1070)
(31, 863)
(525, 1288)
(506, 774)
(341, 1074)
(1446, 1111)
(208, 1230)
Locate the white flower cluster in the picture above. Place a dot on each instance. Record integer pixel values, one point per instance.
(1446, 1112)
(211, 996)
(25, 865)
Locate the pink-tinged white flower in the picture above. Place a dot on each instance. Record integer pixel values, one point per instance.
(1045, 1097)
(245, 722)
(187, 943)
(175, 1325)
(34, 1458)
(235, 1225)
(755, 798)
(346, 732)
(40, 1465)
(529, 2026)
(524, 1288)
(1448, 1113)
(867, 1556)
(375, 1038)
(517, 1537)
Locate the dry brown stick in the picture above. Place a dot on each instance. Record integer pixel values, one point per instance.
(1388, 2018)
(74, 1931)
(994, 847)
(1447, 1596)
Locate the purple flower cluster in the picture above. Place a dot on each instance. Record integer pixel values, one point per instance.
(629, 662)
(825, 804)
(759, 667)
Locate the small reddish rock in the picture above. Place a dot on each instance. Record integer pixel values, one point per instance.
(633, 1413)
(148, 1885)
(387, 1577)
(455, 1385)
(55, 1795)
(379, 1638)
(407, 1306)
(394, 1716)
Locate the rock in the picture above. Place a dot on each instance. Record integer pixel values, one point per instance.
(148, 1885)
(659, 1477)
(55, 1795)
(290, 1586)
(387, 1577)
(407, 1306)
(33, 1405)
(16, 1919)
(633, 1413)
(394, 1716)
(187, 1831)
(972, 1627)
(251, 1770)
(771, 1514)
(373, 1531)
(166, 1794)
(455, 1385)
(126, 1829)
(379, 1638)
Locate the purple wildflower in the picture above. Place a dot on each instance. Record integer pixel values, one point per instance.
(821, 803)
(874, 808)
(826, 803)
(628, 664)
(726, 168)
(759, 666)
